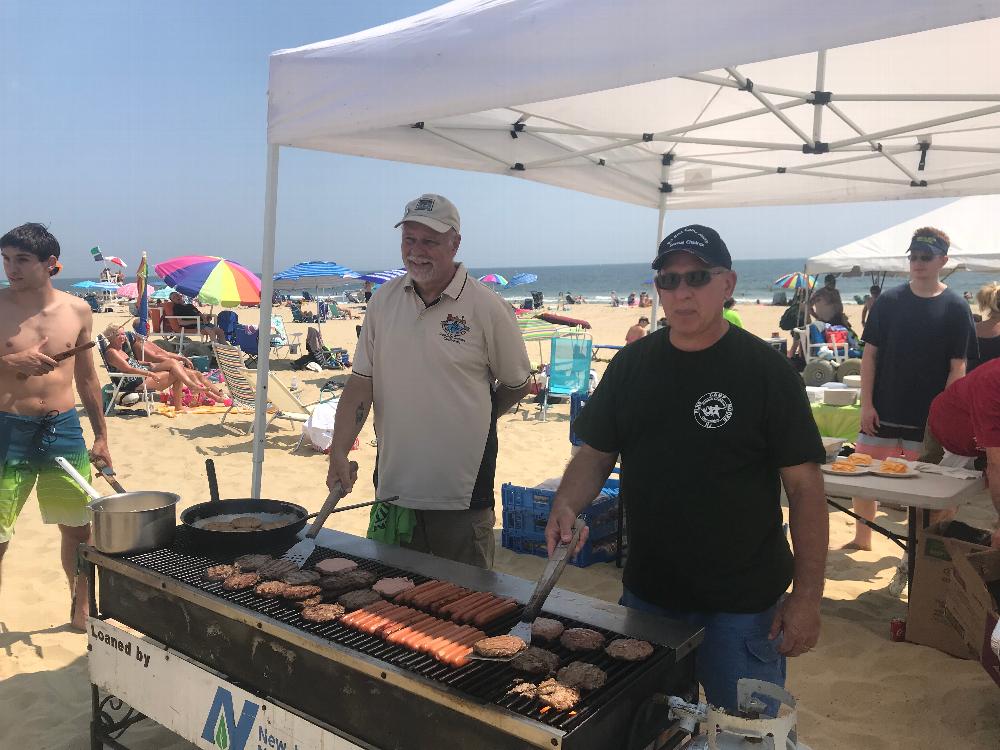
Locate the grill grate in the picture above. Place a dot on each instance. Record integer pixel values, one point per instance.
(486, 681)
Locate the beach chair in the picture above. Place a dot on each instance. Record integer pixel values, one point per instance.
(122, 383)
(281, 338)
(247, 338)
(316, 351)
(242, 386)
(91, 299)
(569, 368)
(228, 321)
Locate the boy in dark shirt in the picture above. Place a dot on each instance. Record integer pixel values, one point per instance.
(709, 422)
(917, 338)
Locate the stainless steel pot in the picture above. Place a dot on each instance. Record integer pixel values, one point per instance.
(128, 522)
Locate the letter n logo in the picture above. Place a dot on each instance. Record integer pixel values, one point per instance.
(221, 727)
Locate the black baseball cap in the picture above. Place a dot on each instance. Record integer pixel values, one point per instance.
(700, 241)
(929, 242)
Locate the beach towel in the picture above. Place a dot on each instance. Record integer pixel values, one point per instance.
(391, 524)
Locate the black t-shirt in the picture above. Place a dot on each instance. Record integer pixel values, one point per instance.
(187, 311)
(702, 436)
(917, 337)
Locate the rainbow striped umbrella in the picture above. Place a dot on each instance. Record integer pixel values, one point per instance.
(494, 278)
(211, 279)
(797, 280)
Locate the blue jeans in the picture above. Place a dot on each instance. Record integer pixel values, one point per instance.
(735, 646)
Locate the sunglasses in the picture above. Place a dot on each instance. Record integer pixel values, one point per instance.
(921, 257)
(670, 281)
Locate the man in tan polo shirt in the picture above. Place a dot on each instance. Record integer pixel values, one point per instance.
(439, 356)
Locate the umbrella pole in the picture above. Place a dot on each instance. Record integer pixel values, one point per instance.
(664, 171)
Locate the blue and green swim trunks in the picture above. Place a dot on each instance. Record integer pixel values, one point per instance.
(28, 447)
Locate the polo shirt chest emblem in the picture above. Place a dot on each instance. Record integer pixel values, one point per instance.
(713, 410)
(454, 329)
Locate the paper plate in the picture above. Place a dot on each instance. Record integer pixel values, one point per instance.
(859, 470)
(910, 471)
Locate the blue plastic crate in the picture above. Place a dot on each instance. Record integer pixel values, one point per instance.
(576, 402)
(526, 509)
(597, 550)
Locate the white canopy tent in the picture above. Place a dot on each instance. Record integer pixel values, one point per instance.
(658, 102)
(973, 224)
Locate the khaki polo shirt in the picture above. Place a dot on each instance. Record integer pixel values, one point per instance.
(432, 370)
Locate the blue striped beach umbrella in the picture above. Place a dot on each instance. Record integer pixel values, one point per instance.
(380, 277)
(314, 274)
(523, 278)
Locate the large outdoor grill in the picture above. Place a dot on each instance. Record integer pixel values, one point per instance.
(381, 695)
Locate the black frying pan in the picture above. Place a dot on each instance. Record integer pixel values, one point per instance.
(258, 540)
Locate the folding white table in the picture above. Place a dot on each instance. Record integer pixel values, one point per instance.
(924, 492)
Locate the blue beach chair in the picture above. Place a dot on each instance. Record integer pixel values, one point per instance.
(569, 368)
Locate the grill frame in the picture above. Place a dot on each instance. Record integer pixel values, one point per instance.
(216, 630)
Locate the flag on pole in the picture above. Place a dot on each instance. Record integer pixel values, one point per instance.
(142, 297)
(117, 261)
(96, 252)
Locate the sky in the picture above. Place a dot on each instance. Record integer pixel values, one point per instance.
(137, 125)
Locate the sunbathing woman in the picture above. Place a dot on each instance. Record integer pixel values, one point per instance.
(160, 360)
(155, 381)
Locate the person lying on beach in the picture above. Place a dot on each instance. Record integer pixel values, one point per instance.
(709, 422)
(146, 352)
(38, 417)
(155, 381)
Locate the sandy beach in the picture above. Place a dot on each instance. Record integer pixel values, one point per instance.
(857, 690)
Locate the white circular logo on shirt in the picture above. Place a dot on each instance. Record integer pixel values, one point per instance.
(713, 410)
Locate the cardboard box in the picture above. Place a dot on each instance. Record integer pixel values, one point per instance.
(973, 607)
(928, 622)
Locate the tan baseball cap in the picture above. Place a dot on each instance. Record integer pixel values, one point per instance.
(434, 211)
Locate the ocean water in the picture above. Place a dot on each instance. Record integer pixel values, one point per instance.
(755, 280)
(596, 282)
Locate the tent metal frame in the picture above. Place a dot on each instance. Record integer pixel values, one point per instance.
(623, 150)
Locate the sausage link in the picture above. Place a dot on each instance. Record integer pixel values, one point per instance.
(380, 618)
(453, 640)
(493, 613)
(399, 622)
(469, 603)
(433, 594)
(468, 614)
(440, 595)
(416, 598)
(399, 635)
(405, 596)
(446, 610)
(454, 596)
(458, 657)
(442, 638)
(421, 643)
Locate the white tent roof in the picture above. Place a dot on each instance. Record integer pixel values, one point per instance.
(595, 93)
(973, 224)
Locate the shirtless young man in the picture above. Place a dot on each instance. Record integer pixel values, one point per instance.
(38, 418)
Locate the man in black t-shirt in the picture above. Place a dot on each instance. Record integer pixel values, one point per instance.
(709, 421)
(917, 339)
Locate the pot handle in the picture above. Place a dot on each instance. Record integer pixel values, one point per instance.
(78, 478)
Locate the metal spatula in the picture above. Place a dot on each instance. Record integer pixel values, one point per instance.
(299, 553)
(553, 569)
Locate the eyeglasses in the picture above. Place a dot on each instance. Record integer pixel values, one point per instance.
(670, 281)
(921, 257)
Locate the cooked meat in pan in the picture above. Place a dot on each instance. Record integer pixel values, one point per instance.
(334, 565)
(220, 572)
(246, 522)
(581, 675)
(239, 581)
(499, 646)
(271, 588)
(268, 525)
(534, 660)
(276, 569)
(561, 697)
(358, 599)
(301, 577)
(217, 526)
(546, 629)
(629, 649)
(527, 689)
(581, 639)
(252, 562)
(322, 613)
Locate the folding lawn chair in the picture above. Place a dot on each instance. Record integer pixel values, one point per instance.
(123, 383)
(569, 368)
(242, 386)
(228, 321)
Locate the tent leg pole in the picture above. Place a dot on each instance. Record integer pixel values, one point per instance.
(664, 172)
(264, 327)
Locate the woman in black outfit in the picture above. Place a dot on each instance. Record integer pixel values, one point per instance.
(988, 330)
